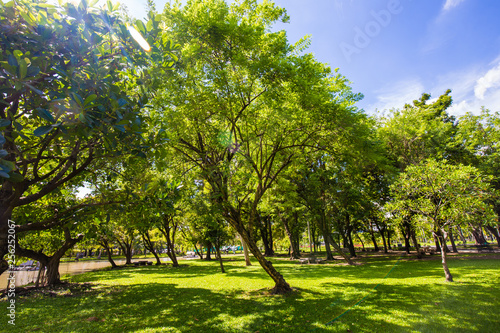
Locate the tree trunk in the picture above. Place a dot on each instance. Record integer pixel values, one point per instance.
(339, 250)
(406, 234)
(148, 244)
(494, 232)
(266, 234)
(200, 253)
(438, 247)
(294, 252)
(374, 240)
(104, 243)
(461, 235)
(217, 248)
(452, 240)
(352, 251)
(168, 230)
(382, 231)
(208, 255)
(447, 274)
(245, 252)
(478, 234)
(388, 238)
(281, 286)
(41, 276)
(53, 277)
(126, 249)
(362, 244)
(414, 238)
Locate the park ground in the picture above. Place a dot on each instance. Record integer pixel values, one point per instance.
(382, 293)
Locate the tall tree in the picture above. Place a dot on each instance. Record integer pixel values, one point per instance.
(443, 195)
(243, 103)
(68, 97)
(480, 135)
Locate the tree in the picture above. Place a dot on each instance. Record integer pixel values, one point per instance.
(243, 103)
(419, 131)
(442, 194)
(68, 98)
(480, 135)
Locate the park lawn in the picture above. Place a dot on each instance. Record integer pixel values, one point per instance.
(398, 296)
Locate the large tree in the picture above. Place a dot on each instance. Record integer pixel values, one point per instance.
(66, 100)
(243, 103)
(480, 135)
(443, 195)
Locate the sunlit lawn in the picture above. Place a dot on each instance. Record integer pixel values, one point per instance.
(198, 298)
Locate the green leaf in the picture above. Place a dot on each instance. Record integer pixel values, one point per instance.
(23, 68)
(42, 130)
(7, 165)
(140, 26)
(3, 153)
(32, 71)
(89, 99)
(45, 114)
(39, 92)
(4, 174)
(15, 177)
(18, 126)
(12, 60)
(77, 98)
(18, 54)
(2, 140)
(4, 122)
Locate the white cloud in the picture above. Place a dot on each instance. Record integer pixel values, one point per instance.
(472, 88)
(397, 95)
(449, 4)
(490, 80)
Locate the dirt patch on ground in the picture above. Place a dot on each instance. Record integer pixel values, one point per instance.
(65, 289)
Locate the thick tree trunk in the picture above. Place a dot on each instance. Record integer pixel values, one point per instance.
(53, 277)
(52, 262)
(126, 249)
(266, 234)
(436, 241)
(447, 274)
(414, 239)
(478, 234)
(245, 252)
(281, 286)
(208, 255)
(494, 232)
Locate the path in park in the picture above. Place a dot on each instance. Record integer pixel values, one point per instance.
(68, 267)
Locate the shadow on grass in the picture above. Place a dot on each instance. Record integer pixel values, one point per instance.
(398, 304)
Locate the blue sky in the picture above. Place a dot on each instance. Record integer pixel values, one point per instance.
(394, 50)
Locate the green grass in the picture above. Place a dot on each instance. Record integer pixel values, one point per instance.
(198, 298)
